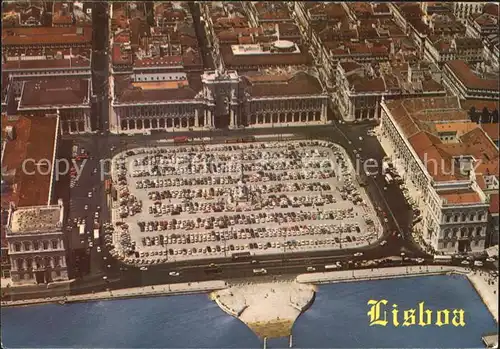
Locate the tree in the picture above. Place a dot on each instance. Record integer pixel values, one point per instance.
(494, 116)
(472, 114)
(485, 116)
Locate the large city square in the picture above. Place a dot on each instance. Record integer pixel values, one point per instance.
(205, 201)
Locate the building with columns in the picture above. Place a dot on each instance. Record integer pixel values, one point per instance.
(20, 65)
(361, 87)
(220, 99)
(441, 177)
(176, 102)
(31, 182)
(68, 97)
(36, 243)
(463, 10)
(283, 99)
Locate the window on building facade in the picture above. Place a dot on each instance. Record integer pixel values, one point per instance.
(17, 247)
(19, 263)
(480, 217)
(36, 245)
(55, 244)
(478, 231)
(27, 246)
(455, 218)
(45, 245)
(471, 217)
(455, 232)
(463, 217)
(453, 244)
(447, 233)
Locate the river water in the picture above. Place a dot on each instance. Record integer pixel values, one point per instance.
(337, 319)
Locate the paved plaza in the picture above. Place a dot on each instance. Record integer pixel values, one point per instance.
(203, 201)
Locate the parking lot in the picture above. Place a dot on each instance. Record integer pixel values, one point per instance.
(184, 202)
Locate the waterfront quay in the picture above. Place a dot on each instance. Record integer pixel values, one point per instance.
(270, 305)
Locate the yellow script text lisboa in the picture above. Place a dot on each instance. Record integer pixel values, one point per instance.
(381, 313)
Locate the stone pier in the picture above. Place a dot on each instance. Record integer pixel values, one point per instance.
(268, 309)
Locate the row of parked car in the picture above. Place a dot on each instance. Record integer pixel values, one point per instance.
(241, 219)
(227, 164)
(346, 231)
(151, 257)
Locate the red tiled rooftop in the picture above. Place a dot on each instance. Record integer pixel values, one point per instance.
(54, 92)
(489, 168)
(469, 79)
(35, 138)
(62, 15)
(478, 137)
(118, 57)
(492, 9)
(460, 198)
(492, 130)
(126, 92)
(350, 66)
(47, 64)
(481, 183)
(362, 84)
(46, 36)
(283, 85)
(412, 114)
(431, 85)
(159, 61)
(235, 61)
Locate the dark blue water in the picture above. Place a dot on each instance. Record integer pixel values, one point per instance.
(336, 320)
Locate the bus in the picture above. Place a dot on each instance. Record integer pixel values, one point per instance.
(331, 266)
(442, 259)
(107, 186)
(81, 227)
(241, 255)
(181, 139)
(248, 139)
(232, 140)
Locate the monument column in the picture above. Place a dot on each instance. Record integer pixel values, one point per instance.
(231, 117)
